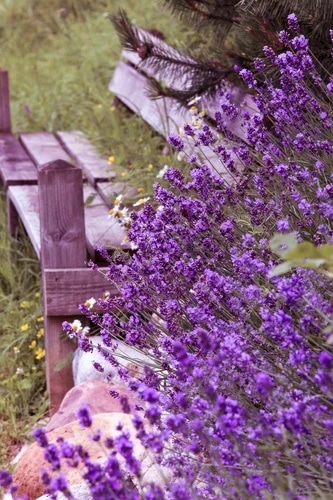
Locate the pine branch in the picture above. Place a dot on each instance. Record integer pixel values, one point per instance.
(229, 32)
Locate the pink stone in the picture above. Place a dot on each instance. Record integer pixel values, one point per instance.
(27, 471)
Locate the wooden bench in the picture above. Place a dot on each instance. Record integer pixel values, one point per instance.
(48, 179)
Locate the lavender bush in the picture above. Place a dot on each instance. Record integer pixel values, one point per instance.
(240, 399)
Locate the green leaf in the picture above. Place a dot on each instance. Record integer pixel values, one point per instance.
(305, 250)
(282, 243)
(281, 269)
(90, 199)
(326, 251)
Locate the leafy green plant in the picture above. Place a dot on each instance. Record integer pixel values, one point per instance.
(304, 254)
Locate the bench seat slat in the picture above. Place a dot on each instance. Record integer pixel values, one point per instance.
(15, 165)
(44, 147)
(95, 167)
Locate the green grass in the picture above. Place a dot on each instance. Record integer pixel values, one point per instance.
(22, 380)
(59, 74)
(60, 55)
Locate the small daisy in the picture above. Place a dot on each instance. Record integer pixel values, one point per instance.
(90, 303)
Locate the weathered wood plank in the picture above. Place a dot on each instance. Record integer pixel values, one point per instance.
(65, 289)
(101, 230)
(163, 115)
(24, 200)
(95, 167)
(44, 147)
(62, 246)
(177, 81)
(15, 165)
(130, 86)
(5, 121)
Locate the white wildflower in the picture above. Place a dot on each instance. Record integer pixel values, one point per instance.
(162, 172)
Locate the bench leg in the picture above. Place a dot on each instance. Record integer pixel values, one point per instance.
(58, 351)
(12, 218)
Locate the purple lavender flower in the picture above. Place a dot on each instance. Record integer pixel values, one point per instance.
(176, 142)
(5, 479)
(84, 416)
(40, 436)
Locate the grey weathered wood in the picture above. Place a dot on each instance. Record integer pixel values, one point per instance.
(163, 115)
(101, 230)
(177, 81)
(65, 289)
(5, 121)
(43, 147)
(22, 201)
(16, 166)
(62, 246)
(94, 166)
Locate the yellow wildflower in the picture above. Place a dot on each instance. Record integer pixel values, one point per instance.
(25, 327)
(40, 319)
(33, 344)
(16, 349)
(40, 353)
(40, 333)
(37, 294)
(25, 304)
(150, 167)
(110, 160)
